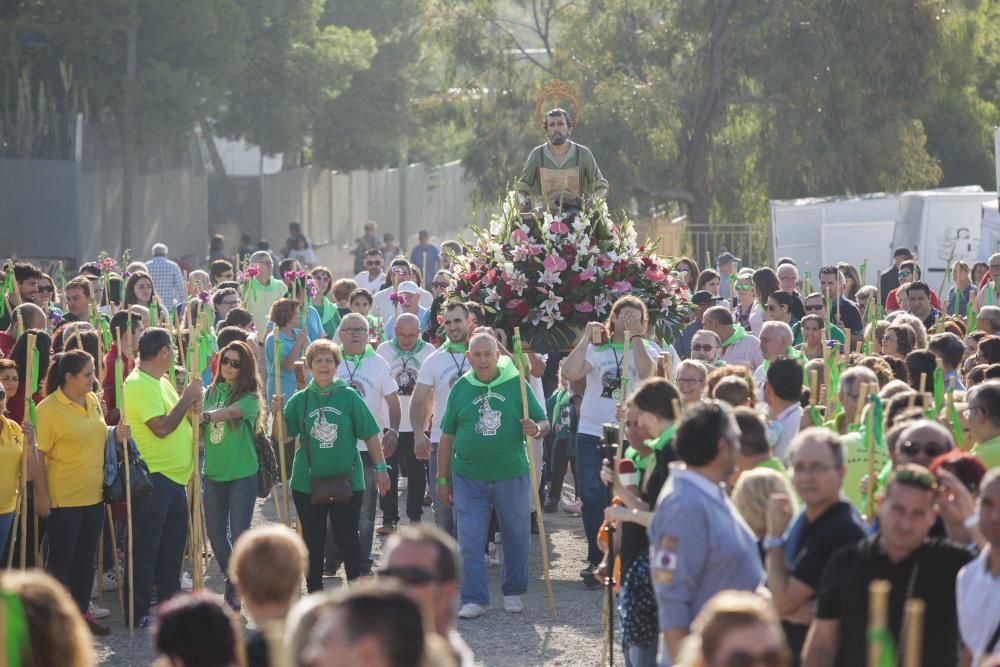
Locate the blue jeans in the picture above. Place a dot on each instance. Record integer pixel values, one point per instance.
(6, 521)
(444, 517)
(591, 491)
(474, 500)
(228, 510)
(160, 524)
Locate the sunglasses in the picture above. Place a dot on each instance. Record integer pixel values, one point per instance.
(46, 288)
(702, 348)
(931, 449)
(440, 285)
(228, 361)
(769, 658)
(815, 306)
(744, 287)
(905, 274)
(416, 576)
(923, 479)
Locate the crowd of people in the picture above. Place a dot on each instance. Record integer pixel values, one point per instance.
(796, 442)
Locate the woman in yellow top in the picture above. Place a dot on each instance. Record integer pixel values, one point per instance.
(70, 480)
(12, 439)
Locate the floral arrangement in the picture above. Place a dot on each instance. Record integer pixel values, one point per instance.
(558, 272)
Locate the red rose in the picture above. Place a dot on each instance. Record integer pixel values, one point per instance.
(522, 309)
(565, 308)
(574, 279)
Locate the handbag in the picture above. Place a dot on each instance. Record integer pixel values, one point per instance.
(267, 463)
(326, 490)
(138, 473)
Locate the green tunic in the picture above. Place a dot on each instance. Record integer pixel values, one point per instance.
(578, 158)
(230, 454)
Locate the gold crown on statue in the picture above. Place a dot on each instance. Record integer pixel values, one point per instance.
(556, 91)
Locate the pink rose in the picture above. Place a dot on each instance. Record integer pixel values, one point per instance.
(554, 264)
(654, 275)
(584, 307)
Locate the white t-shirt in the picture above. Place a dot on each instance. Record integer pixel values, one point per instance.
(383, 307)
(440, 371)
(404, 367)
(600, 398)
(978, 597)
(372, 286)
(370, 378)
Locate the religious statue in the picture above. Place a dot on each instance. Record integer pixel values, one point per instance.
(560, 173)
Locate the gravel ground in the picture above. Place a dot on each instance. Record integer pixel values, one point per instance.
(573, 637)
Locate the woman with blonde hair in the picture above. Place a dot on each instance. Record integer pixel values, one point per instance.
(735, 628)
(57, 634)
(751, 493)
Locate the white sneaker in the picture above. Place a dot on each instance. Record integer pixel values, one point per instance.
(512, 604)
(186, 583)
(492, 556)
(97, 611)
(110, 581)
(575, 507)
(471, 610)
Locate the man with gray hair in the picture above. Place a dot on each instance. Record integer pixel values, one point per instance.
(989, 320)
(775, 341)
(739, 347)
(262, 289)
(167, 277)
(706, 347)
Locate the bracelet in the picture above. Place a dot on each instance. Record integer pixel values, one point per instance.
(772, 542)
(634, 336)
(394, 431)
(381, 467)
(443, 481)
(538, 429)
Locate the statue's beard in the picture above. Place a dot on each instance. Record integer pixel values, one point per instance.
(557, 139)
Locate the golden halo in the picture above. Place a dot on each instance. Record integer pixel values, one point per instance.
(558, 90)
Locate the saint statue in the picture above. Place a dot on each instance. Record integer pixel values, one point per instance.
(560, 173)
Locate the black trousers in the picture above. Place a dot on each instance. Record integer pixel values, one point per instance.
(560, 461)
(344, 521)
(416, 483)
(73, 534)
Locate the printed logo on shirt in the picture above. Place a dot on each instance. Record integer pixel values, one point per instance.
(406, 379)
(611, 383)
(489, 419)
(665, 560)
(323, 431)
(357, 386)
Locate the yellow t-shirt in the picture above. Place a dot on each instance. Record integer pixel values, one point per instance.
(147, 398)
(72, 439)
(11, 447)
(988, 452)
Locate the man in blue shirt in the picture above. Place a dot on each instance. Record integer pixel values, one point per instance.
(699, 543)
(426, 256)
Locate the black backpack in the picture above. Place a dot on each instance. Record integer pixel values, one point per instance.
(267, 463)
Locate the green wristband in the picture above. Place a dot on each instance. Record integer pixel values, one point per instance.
(381, 467)
(443, 481)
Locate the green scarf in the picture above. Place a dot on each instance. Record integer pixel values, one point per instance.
(562, 398)
(505, 371)
(408, 354)
(456, 348)
(611, 345)
(358, 358)
(739, 333)
(656, 444)
(327, 312)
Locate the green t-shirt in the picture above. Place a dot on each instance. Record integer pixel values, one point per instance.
(485, 420)
(774, 463)
(988, 453)
(229, 454)
(560, 415)
(835, 334)
(330, 420)
(147, 398)
(656, 444)
(329, 316)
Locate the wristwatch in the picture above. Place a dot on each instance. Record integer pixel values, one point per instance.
(394, 431)
(772, 542)
(442, 481)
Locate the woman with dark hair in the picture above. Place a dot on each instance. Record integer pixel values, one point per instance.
(232, 414)
(765, 283)
(43, 344)
(690, 268)
(654, 403)
(710, 281)
(979, 270)
(735, 628)
(70, 480)
(988, 351)
(285, 315)
(139, 291)
(197, 630)
(46, 298)
(921, 363)
(779, 307)
(898, 341)
(853, 280)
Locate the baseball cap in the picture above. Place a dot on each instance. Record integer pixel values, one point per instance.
(408, 287)
(726, 258)
(705, 298)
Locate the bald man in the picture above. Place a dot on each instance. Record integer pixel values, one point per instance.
(32, 317)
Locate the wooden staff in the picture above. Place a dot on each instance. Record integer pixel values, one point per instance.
(870, 437)
(913, 632)
(196, 477)
(878, 618)
(543, 543)
(847, 342)
(813, 387)
(120, 396)
(29, 368)
(862, 399)
(114, 558)
(20, 323)
(279, 435)
(878, 285)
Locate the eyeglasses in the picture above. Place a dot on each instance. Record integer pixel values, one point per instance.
(354, 331)
(46, 288)
(815, 469)
(924, 479)
(769, 658)
(815, 306)
(931, 449)
(702, 348)
(688, 381)
(229, 361)
(416, 576)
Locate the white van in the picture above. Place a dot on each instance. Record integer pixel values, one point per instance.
(938, 227)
